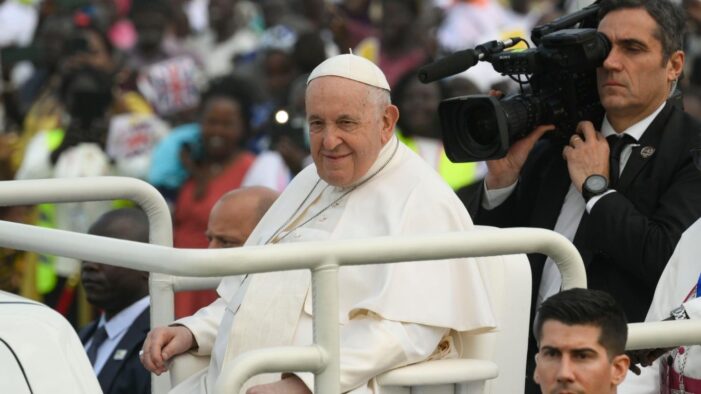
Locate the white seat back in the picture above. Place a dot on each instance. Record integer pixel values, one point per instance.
(508, 279)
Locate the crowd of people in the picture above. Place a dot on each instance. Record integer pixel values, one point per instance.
(222, 105)
(201, 97)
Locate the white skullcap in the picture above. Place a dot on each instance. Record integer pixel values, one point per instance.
(352, 67)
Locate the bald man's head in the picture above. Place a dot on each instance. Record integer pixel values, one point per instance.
(236, 214)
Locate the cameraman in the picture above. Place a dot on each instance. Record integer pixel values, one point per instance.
(625, 216)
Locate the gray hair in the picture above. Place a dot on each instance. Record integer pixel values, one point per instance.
(670, 19)
(381, 98)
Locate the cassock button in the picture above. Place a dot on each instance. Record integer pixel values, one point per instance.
(647, 151)
(336, 204)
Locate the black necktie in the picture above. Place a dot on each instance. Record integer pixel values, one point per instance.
(616, 145)
(97, 339)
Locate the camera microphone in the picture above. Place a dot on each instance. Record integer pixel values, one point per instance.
(462, 60)
(449, 65)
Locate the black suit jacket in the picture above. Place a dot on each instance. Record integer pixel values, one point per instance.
(628, 237)
(125, 376)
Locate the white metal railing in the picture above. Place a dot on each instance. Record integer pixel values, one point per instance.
(161, 286)
(323, 259)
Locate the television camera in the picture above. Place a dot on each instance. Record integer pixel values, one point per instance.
(559, 87)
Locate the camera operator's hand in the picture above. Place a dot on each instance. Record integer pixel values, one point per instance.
(505, 171)
(644, 358)
(587, 154)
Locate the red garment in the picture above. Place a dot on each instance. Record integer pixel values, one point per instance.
(191, 217)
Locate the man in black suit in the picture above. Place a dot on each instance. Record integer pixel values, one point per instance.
(623, 207)
(113, 340)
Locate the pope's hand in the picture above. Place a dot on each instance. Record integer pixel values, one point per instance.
(587, 154)
(164, 343)
(289, 385)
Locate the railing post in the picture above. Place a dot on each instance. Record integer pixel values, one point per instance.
(39, 191)
(326, 327)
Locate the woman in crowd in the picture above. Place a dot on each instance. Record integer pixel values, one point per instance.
(420, 129)
(217, 163)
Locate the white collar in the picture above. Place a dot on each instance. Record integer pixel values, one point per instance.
(636, 131)
(124, 319)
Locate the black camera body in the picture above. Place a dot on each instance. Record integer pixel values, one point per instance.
(562, 90)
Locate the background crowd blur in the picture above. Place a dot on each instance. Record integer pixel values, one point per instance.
(200, 97)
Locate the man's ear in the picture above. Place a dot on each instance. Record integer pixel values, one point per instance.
(389, 121)
(619, 368)
(536, 376)
(675, 65)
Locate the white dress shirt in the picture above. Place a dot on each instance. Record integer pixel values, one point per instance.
(116, 328)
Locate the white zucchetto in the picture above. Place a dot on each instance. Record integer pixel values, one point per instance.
(352, 67)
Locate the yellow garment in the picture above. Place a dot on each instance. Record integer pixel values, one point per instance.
(132, 102)
(45, 273)
(44, 114)
(457, 175)
(369, 48)
(44, 270)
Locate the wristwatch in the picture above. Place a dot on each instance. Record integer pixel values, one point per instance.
(594, 185)
(679, 313)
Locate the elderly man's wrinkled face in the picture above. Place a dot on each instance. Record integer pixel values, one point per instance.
(348, 127)
(571, 360)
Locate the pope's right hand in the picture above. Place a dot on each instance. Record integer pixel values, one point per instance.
(164, 343)
(505, 171)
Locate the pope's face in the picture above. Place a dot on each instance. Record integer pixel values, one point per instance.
(571, 360)
(633, 80)
(347, 128)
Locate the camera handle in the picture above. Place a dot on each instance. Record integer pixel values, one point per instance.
(586, 17)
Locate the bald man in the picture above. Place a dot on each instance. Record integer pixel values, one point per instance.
(231, 220)
(236, 214)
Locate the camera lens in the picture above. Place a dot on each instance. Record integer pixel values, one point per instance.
(481, 127)
(522, 115)
(474, 128)
(480, 124)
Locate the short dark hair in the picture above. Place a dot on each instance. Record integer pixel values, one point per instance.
(670, 19)
(591, 308)
(237, 89)
(124, 223)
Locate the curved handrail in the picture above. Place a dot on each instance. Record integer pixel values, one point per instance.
(41, 191)
(661, 334)
(276, 359)
(311, 255)
(440, 372)
(292, 256)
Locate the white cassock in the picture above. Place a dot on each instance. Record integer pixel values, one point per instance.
(390, 315)
(678, 278)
